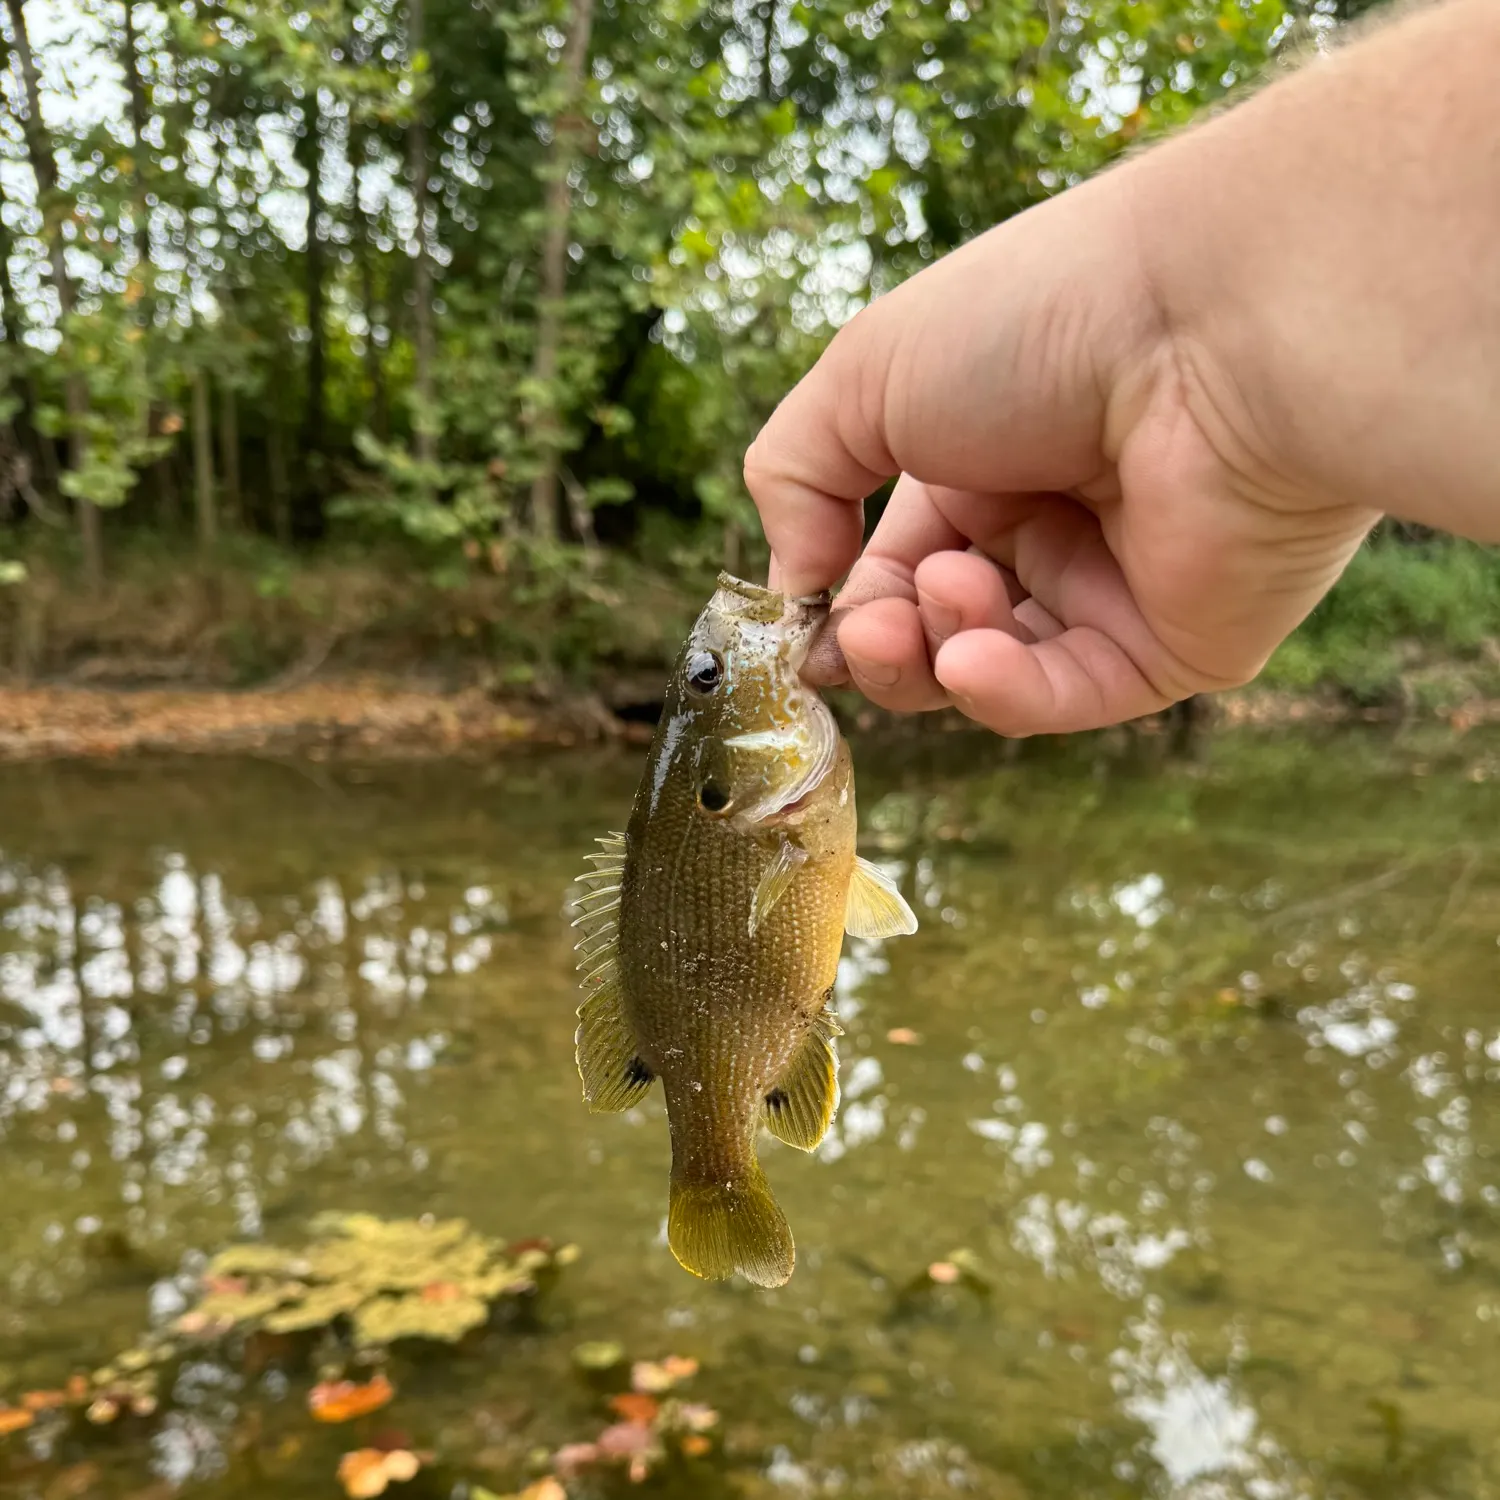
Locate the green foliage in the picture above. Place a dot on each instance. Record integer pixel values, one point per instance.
(237, 343)
(735, 182)
(1394, 600)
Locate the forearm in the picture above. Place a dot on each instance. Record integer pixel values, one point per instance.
(1327, 261)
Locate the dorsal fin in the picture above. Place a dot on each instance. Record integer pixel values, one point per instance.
(613, 1072)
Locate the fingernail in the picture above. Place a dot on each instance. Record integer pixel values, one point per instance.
(941, 619)
(876, 673)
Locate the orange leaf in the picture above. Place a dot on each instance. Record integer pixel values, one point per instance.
(401, 1464)
(636, 1407)
(695, 1445)
(44, 1400)
(343, 1400)
(362, 1473)
(656, 1378)
(544, 1489)
(696, 1417)
(13, 1419)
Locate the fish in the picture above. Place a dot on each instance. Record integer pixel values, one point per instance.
(712, 926)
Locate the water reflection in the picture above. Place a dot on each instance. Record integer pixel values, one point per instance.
(207, 1046)
(1219, 1135)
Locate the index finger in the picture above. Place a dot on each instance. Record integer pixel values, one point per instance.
(811, 466)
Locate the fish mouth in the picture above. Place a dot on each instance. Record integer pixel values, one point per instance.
(799, 616)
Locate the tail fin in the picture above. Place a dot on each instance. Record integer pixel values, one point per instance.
(718, 1228)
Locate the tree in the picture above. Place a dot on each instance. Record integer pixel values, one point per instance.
(53, 207)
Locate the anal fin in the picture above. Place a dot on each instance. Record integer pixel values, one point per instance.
(799, 1110)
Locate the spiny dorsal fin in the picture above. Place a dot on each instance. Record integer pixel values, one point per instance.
(875, 908)
(614, 1076)
(597, 906)
(801, 1107)
(775, 881)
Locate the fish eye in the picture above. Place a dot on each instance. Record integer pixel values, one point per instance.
(711, 798)
(705, 671)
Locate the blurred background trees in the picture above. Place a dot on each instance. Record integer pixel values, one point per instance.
(501, 286)
(523, 272)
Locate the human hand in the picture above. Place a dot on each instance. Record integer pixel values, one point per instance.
(1142, 428)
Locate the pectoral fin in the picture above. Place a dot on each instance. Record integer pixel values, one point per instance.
(775, 881)
(614, 1075)
(800, 1108)
(875, 908)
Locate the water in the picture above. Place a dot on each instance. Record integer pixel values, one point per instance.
(1204, 1076)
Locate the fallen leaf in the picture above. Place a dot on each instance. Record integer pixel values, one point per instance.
(343, 1400)
(654, 1378)
(572, 1457)
(362, 1473)
(624, 1439)
(695, 1445)
(598, 1355)
(903, 1036)
(401, 1464)
(696, 1417)
(13, 1419)
(367, 1471)
(636, 1407)
(544, 1489)
(44, 1400)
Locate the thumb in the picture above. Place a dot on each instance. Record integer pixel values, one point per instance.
(988, 371)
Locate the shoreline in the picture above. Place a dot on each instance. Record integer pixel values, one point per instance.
(381, 718)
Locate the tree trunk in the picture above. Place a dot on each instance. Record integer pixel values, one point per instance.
(203, 465)
(423, 421)
(136, 85)
(44, 168)
(229, 455)
(281, 505)
(374, 371)
(566, 129)
(767, 48)
(310, 154)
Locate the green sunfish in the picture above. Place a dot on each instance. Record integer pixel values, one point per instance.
(713, 924)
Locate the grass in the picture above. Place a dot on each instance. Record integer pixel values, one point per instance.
(1409, 622)
(256, 613)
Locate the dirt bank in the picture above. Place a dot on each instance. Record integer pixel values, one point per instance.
(377, 717)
